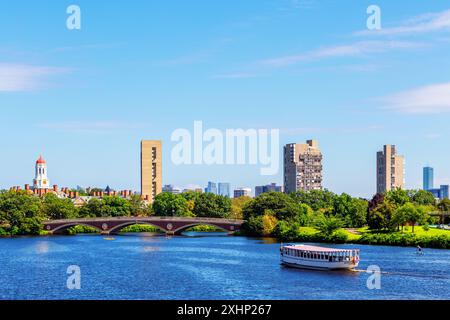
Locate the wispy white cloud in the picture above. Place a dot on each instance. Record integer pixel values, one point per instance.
(349, 50)
(429, 22)
(21, 77)
(431, 99)
(89, 126)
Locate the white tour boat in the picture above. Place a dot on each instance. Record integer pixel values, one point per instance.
(319, 258)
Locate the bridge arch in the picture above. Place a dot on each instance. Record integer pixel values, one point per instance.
(74, 224)
(195, 224)
(119, 227)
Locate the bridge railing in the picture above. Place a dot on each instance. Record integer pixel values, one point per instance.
(150, 218)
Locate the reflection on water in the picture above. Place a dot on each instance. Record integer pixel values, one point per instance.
(205, 266)
(42, 247)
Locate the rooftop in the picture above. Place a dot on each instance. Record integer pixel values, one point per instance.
(316, 249)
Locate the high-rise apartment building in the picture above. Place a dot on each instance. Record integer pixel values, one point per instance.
(151, 168)
(390, 169)
(224, 189)
(428, 177)
(302, 167)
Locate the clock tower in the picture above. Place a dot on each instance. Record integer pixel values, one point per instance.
(41, 180)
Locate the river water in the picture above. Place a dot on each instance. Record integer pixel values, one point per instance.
(205, 266)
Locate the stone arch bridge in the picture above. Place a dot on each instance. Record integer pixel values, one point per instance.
(169, 225)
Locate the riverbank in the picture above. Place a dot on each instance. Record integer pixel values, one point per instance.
(424, 237)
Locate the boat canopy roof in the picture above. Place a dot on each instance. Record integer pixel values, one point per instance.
(317, 249)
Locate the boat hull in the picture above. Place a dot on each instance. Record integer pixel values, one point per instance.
(318, 265)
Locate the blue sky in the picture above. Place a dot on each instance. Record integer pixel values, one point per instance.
(85, 98)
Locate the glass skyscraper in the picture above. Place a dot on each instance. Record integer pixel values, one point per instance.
(224, 189)
(211, 188)
(428, 176)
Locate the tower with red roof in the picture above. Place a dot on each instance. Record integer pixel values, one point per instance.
(41, 180)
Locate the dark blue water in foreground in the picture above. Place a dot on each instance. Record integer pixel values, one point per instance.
(212, 266)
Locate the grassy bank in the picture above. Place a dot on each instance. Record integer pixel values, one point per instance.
(431, 238)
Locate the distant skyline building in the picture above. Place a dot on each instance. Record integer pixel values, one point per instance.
(441, 192)
(428, 178)
(151, 169)
(390, 169)
(428, 184)
(302, 166)
(224, 189)
(267, 188)
(171, 189)
(242, 192)
(211, 188)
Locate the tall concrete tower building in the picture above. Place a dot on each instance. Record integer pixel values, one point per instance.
(151, 168)
(302, 167)
(40, 177)
(390, 169)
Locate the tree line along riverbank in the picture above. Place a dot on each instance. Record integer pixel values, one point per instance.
(399, 217)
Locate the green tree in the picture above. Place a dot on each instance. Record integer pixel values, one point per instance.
(138, 207)
(351, 211)
(115, 207)
(94, 208)
(315, 199)
(269, 222)
(328, 225)
(20, 213)
(415, 214)
(444, 205)
(380, 217)
(168, 204)
(237, 205)
(400, 216)
(398, 197)
(211, 205)
(422, 197)
(55, 208)
(282, 205)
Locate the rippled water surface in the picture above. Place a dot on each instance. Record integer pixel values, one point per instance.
(199, 266)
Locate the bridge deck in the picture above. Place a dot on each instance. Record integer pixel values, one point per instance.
(151, 218)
